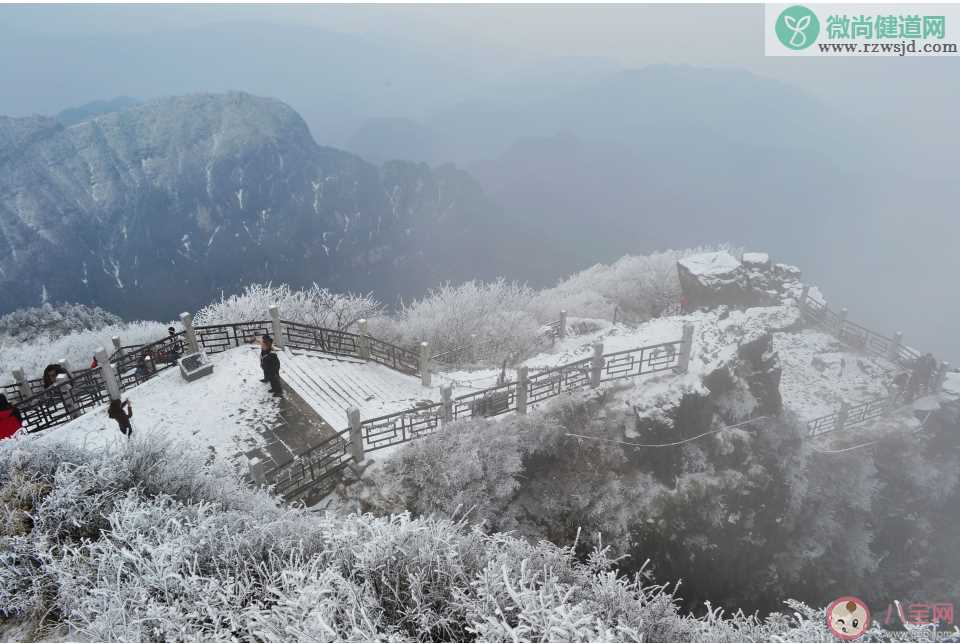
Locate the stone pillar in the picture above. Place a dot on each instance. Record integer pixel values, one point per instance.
(446, 398)
(66, 394)
(425, 364)
(893, 353)
(686, 349)
(356, 434)
(941, 376)
(66, 365)
(277, 327)
(842, 415)
(364, 340)
(258, 472)
(596, 364)
(109, 375)
(117, 345)
(22, 385)
(523, 383)
(187, 320)
(841, 320)
(562, 332)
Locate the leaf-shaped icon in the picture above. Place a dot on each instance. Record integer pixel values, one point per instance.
(790, 21)
(803, 23)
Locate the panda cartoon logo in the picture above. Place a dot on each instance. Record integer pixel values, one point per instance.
(848, 618)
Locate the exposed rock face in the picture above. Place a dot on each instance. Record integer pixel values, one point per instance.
(709, 280)
(158, 208)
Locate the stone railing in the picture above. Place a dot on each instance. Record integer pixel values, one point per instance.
(315, 467)
(79, 391)
(861, 338)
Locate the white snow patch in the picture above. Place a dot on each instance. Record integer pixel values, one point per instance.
(756, 258)
(718, 263)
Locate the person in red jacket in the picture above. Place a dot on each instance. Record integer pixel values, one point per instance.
(10, 418)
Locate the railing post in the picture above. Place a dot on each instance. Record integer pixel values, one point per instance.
(187, 320)
(841, 320)
(686, 349)
(117, 345)
(66, 394)
(842, 417)
(446, 409)
(148, 361)
(894, 352)
(22, 385)
(941, 376)
(277, 327)
(596, 364)
(109, 375)
(66, 365)
(562, 331)
(258, 472)
(356, 434)
(364, 339)
(523, 383)
(425, 364)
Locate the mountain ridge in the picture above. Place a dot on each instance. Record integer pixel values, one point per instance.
(210, 191)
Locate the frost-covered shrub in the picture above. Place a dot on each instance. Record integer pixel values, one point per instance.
(316, 306)
(147, 543)
(54, 320)
(493, 316)
(640, 286)
(78, 347)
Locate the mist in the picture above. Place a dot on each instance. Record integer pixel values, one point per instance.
(600, 275)
(479, 85)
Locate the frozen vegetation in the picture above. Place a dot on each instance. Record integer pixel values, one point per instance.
(149, 543)
(669, 507)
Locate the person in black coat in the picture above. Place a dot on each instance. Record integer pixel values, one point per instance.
(270, 363)
(121, 412)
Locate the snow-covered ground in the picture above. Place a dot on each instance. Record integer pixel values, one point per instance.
(219, 413)
(814, 384)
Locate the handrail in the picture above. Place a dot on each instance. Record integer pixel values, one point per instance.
(52, 406)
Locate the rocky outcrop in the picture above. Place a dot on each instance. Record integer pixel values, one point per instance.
(150, 210)
(709, 280)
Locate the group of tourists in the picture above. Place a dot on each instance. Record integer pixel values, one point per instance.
(922, 377)
(11, 418)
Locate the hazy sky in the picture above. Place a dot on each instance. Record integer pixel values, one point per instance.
(513, 35)
(897, 100)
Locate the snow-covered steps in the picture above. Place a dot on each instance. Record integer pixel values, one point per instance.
(331, 385)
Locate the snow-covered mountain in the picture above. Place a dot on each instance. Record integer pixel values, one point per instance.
(148, 210)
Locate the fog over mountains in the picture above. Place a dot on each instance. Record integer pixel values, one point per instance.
(560, 163)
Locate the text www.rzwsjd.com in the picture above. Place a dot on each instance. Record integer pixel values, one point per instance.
(901, 48)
